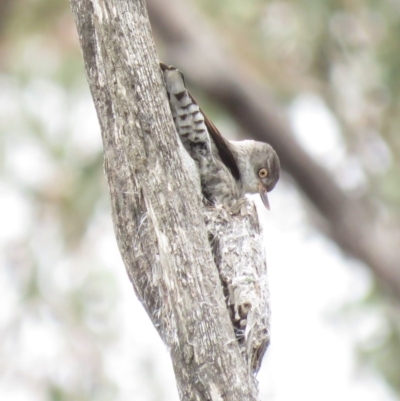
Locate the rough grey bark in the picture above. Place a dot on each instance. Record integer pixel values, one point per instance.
(353, 223)
(158, 218)
(238, 253)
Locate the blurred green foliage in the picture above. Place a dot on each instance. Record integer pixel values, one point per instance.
(347, 53)
(50, 169)
(344, 51)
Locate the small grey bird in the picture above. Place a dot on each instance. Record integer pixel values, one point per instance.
(228, 169)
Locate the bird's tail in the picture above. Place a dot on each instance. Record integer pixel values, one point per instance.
(188, 118)
(197, 132)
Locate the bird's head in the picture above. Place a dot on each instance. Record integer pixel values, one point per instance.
(260, 172)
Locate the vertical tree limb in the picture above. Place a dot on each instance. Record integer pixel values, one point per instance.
(156, 205)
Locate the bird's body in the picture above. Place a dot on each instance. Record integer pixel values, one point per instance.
(228, 169)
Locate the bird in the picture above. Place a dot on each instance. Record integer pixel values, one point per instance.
(228, 169)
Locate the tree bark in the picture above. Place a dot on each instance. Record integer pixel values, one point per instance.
(158, 218)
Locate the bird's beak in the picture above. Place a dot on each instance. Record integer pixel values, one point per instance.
(263, 194)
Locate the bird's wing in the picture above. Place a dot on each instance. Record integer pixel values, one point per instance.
(222, 145)
(163, 66)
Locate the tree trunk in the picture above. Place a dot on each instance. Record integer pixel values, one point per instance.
(158, 217)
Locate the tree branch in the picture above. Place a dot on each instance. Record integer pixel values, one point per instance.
(157, 215)
(352, 223)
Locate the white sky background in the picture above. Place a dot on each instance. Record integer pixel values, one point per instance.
(312, 355)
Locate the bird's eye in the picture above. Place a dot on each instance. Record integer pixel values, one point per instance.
(263, 173)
